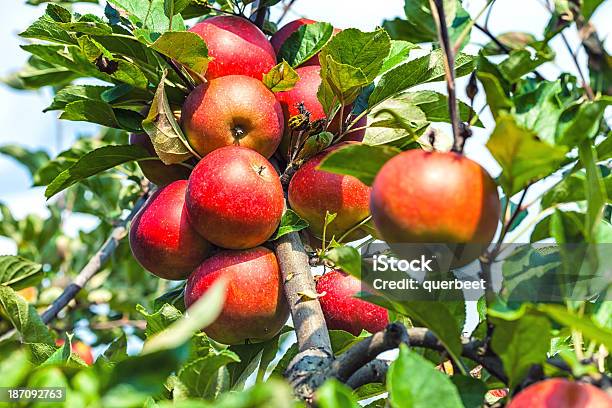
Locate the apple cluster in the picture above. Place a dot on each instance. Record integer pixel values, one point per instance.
(213, 221)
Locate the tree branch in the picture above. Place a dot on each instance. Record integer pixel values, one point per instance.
(373, 372)
(367, 350)
(95, 264)
(315, 353)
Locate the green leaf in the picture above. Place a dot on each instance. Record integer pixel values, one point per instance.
(471, 390)
(151, 14)
(580, 122)
(160, 319)
(342, 80)
(101, 113)
(184, 47)
(305, 43)
(399, 52)
(31, 159)
(429, 68)
(18, 272)
(14, 364)
(572, 189)
(358, 160)
(341, 341)
(430, 388)
(73, 93)
(520, 344)
(583, 324)
(435, 106)
(496, 97)
(513, 40)
(365, 51)
(291, 222)
(202, 313)
(166, 135)
(49, 28)
(539, 109)
(140, 376)
(521, 62)
(281, 78)
(334, 394)
(315, 144)
(200, 375)
(174, 7)
(23, 317)
(594, 187)
(524, 159)
(419, 25)
(346, 258)
(64, 356)
(589, 7)
(394, 119)
(250, 357)
(95, 162)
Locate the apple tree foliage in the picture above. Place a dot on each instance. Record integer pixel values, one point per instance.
(105, 68)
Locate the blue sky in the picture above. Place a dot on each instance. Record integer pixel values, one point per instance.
(22, 120)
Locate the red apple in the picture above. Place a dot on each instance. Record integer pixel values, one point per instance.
(235, 198)
(279, 38)
(255, 307)
(342, 310)
(433, 197)
(561, 393)
(80, 349)
(233, 110)
(304, 92)
(312, 192)
(161, 238)
(237, 47)
(155, 170)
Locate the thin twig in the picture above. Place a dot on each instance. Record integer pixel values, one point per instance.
(94, 265)
(502, 46)
(180, 73)
(437, 9)
(286, 9)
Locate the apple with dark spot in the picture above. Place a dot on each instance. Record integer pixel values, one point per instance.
(342, 310)
(255, 308)
(233, 110)
(235, 199)
(162, 239)
(237, 47)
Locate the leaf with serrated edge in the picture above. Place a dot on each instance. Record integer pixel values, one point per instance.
(281, 78)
